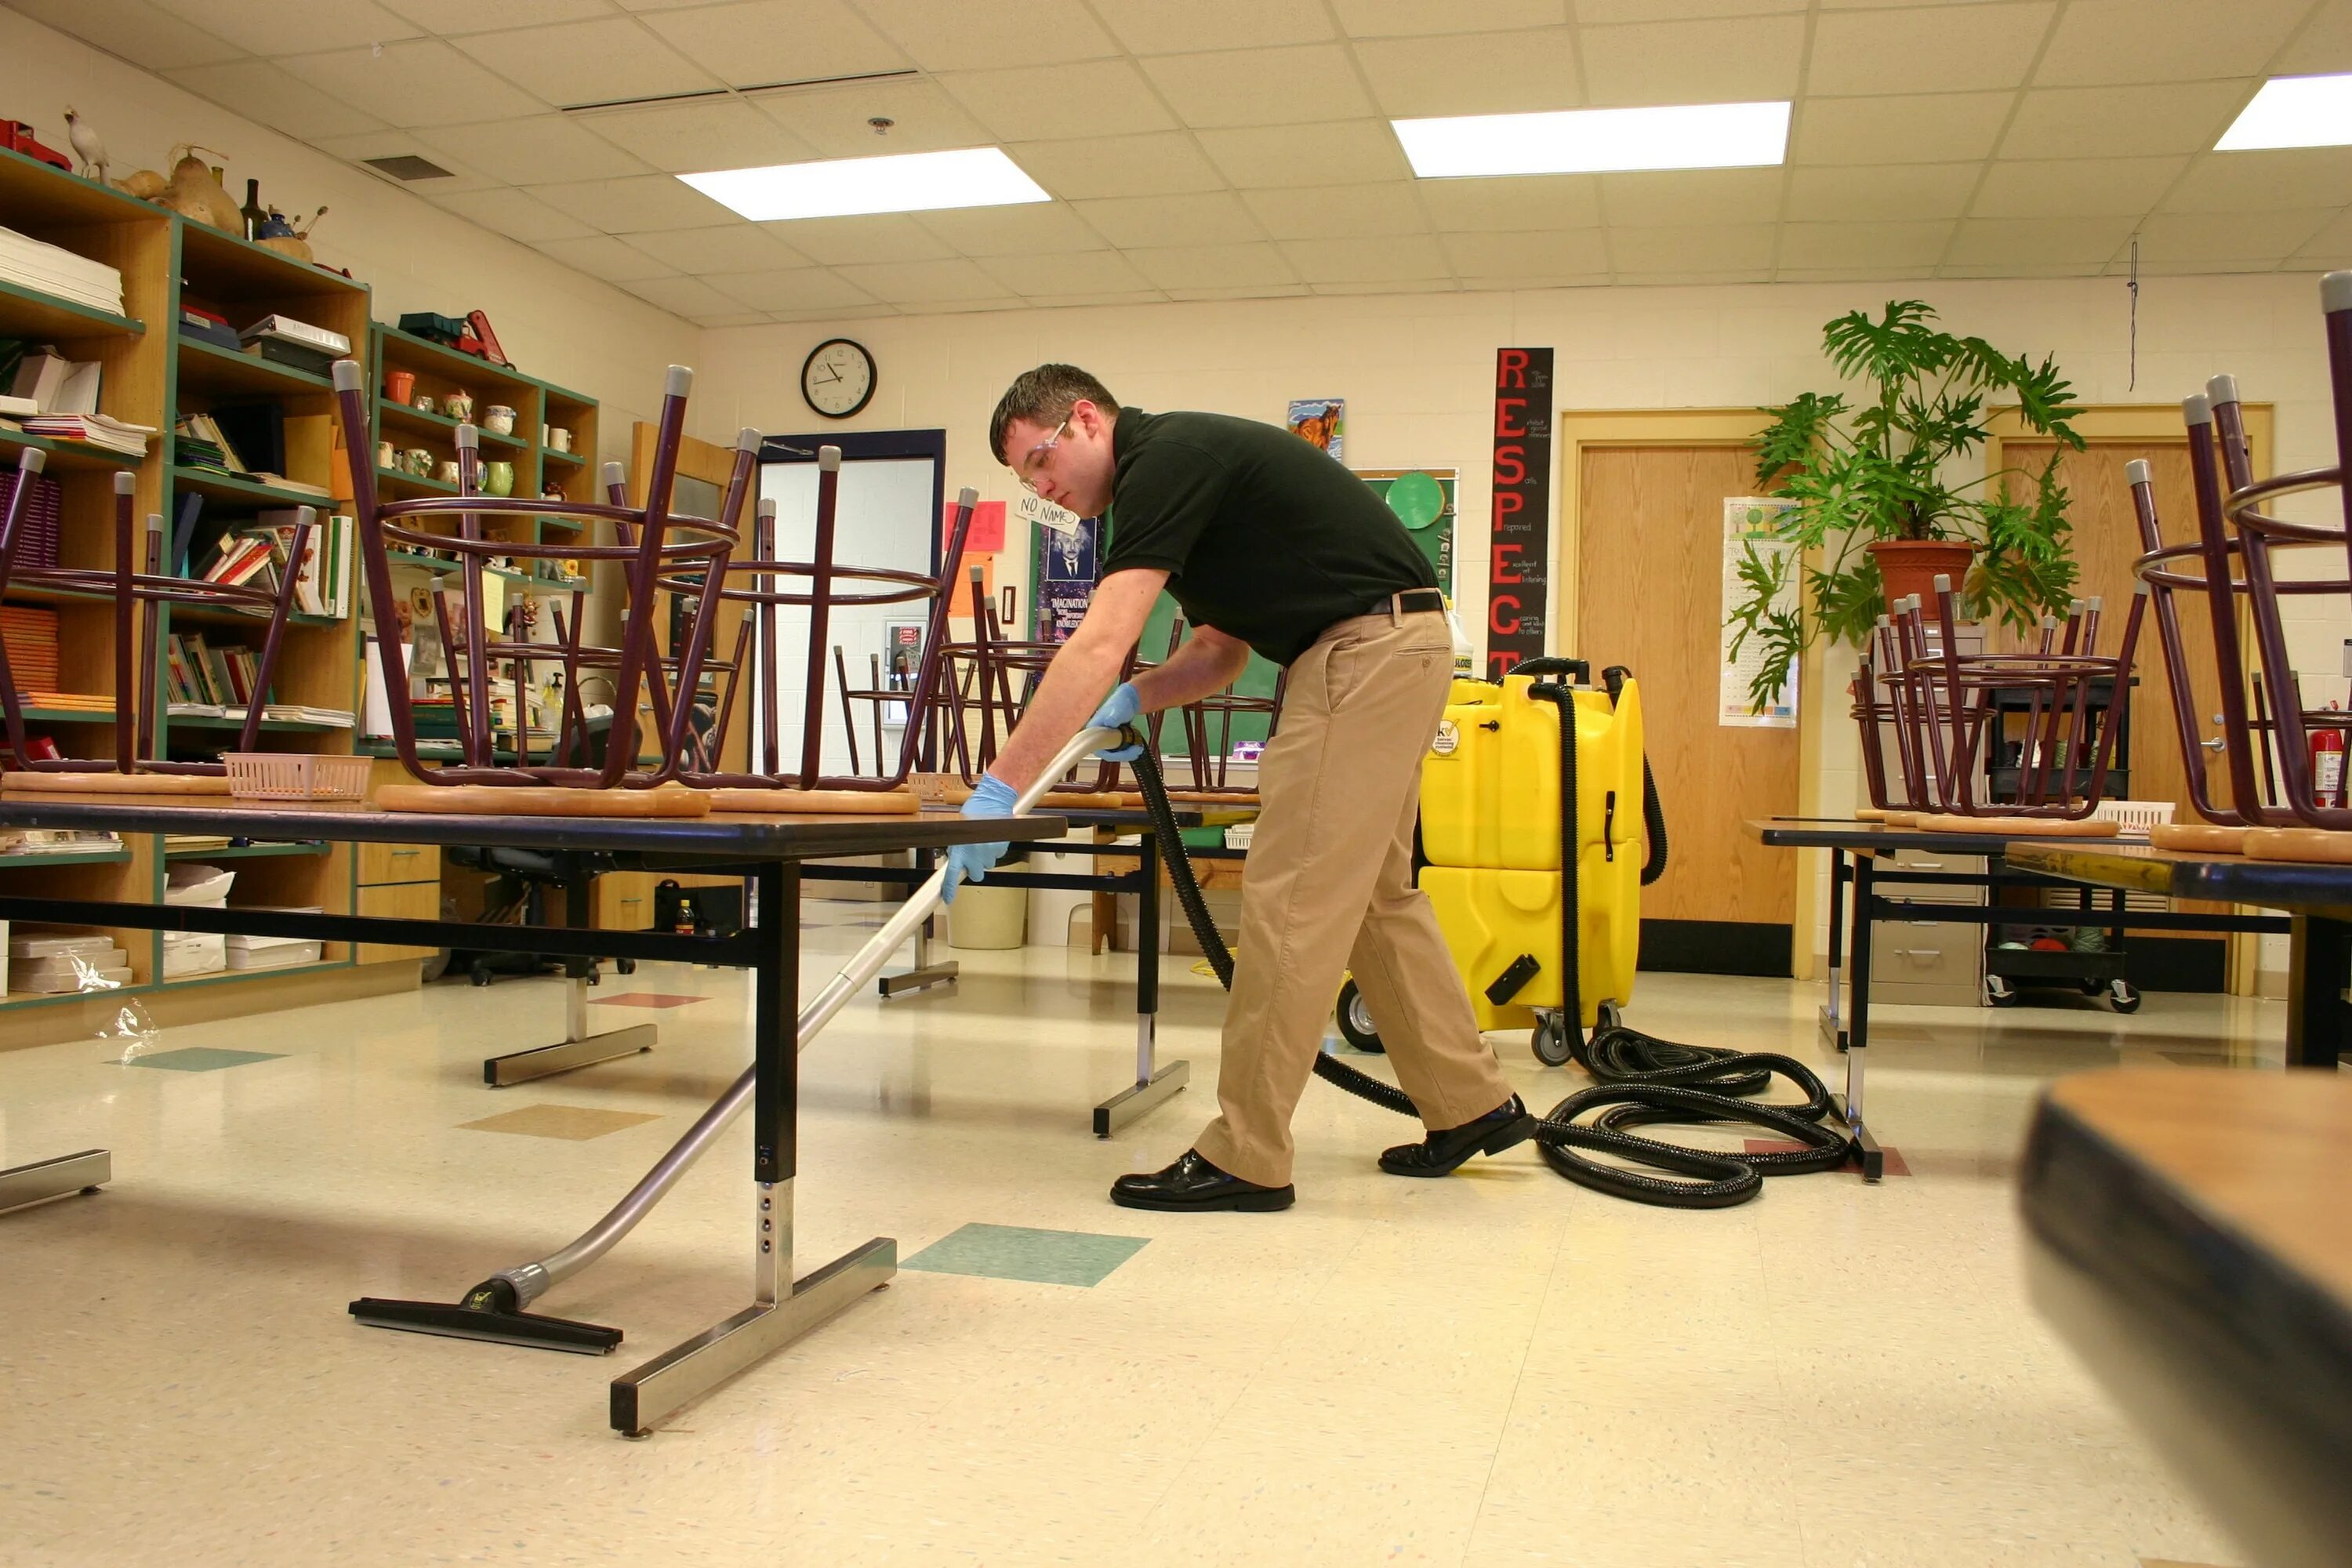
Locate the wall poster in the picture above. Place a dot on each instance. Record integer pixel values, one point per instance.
(1518, 575)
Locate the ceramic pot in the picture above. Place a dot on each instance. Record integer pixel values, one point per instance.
(559, 439)
(423, 403)
(499, 419)
(417, 461)
(498, 480)
(447, 472)
(387, 455)
(460, 405)
(1910, 566)
(400, 385)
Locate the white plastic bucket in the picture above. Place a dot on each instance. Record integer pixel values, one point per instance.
(986, 917)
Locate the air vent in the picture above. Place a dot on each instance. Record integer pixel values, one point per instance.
(408, 166)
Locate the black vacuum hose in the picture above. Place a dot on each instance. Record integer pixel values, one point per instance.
(1644, 1080)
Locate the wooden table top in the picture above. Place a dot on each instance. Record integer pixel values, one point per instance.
(2182, 874)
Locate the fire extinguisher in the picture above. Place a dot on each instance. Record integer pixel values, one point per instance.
(2327, 764)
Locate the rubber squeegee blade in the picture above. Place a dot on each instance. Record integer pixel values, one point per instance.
(487, 1313)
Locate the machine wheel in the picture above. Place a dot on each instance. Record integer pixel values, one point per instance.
(2000, 992)
(1356, 1024)
(626, 966)
(436, 965)
(1610, 1016)
(2092, 987)
(481, 976)
(1550, 1040)
(2123, 997)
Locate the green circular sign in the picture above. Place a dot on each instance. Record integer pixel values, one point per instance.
(1417, 499)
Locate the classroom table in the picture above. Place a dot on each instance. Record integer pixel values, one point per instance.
(1852, 920)
(770, 849)
(2187, 1238)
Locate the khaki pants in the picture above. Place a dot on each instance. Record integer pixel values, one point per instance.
(1328, 889)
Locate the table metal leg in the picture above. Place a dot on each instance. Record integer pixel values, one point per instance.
(578, 1048)
(1154, 1084)
(1833, 1031)
(21, 1186)
(783, 1309)
(925, 974)
(1849, 1105)
(2320, 953)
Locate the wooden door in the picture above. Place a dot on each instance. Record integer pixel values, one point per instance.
(1649, 596)
(703, 470)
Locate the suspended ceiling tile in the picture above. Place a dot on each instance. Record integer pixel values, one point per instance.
(1886, 192)
(1204, 218)
(2124, 122)
(1396, 258)
(1159, 164)
(1344, 152)
(838, 314)
(1045, 104)
(454, 18)
(747, 319)
(143, 34)
(1088, 301)
(1508, 205)
(926, 282)
(1842, 274)
(1410, 18)
(1086, 272)
(2135, 42)
(1241, 291)
(2186, 268)
(271, 27)
(1389, 286)
(1476, 73)
(262, 91)
(636, 204)
(423, 81)
(2076, 187)
(2332, 244)
(2274, 177)
(1038, 228)
(601, 255)
(545, 148)
(762, 41)
(589, 62)
(1599, 13)
(689, 138)
(1697, 249)
(1185, 26)
(736, 247)
(512, 213)
(1559, 253)
(1692, 196)
(1261, 87)
(687, 297)
(2026, 243)
(1912, 247)
(2236, 237)
(1197, 267)
(1339, 212)
(1942, 48)
(835, 120)
(2325, 46)
(1931, 128)
(1740, 60)
(793, 289)
(2017, 270)
(463, 177)
(874, 237)
(958, 35)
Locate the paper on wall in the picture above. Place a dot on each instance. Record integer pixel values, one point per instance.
(1752, 522)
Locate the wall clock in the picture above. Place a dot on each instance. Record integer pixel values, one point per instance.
(837, 378)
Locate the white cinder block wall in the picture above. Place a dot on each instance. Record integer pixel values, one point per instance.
(1416, 371)
(553, 323)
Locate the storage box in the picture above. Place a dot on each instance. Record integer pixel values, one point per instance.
(281, 955)
(296, 775)
(192, 953)
(440, 329)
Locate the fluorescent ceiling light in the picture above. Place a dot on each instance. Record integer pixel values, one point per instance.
(840, 187)
(2294, 112)
(1686, 136)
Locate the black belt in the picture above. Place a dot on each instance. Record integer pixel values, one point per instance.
(1414, 601)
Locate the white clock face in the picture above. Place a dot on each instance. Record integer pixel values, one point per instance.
(838, 378)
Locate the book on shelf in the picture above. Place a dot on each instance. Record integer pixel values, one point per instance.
(58, 841)
(286, 328)
(206, 326)
(307, 713)
(57, 384)
(94, 430)
(15, 408)
(69, 702)
(293, 356)
(29, 263)
(199, 442)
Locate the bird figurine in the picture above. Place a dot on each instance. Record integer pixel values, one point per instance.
(86, 145)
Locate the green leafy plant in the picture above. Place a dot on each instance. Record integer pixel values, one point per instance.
(1876, 467)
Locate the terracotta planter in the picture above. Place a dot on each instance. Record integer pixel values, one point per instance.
(1911, 566)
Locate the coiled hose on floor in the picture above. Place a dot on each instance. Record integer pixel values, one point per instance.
(1644, 1081)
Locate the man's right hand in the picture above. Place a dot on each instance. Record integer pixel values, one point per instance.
(1119, 710)
(970, 862)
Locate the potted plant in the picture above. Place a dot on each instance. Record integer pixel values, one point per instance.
(1869, 483)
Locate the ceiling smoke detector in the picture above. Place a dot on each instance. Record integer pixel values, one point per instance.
(881, 123)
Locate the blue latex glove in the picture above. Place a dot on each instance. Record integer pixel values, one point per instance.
(970, 862)
(1119, 709)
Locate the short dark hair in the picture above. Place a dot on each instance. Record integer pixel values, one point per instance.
(1045, 396)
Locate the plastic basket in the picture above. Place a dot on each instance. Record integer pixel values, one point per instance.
(2134, 816)
(1238, 836)
(296, 775)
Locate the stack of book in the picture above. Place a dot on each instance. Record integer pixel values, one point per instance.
(198, 443)
(95, 429)
(258, 554)
(208, 326)
(30, 264)
(58, 841)
(30, 636)
(43, 508)
(69, 702)
(49, 960)
(56, 384)
(204, 679)
(285, 340)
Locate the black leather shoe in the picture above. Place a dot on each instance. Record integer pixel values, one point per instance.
(1192, 1184)
(1439, 1152)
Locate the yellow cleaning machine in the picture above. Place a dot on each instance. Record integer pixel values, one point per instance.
(1540, 826)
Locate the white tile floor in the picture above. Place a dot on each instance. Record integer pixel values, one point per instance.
(1499, 1368)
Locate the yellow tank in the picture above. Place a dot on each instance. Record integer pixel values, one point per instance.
(1490, 826)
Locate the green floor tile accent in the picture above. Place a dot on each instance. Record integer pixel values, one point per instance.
(201, 1059)
(1015, 1252)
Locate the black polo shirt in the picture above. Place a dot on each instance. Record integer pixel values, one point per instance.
(1262, 536)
